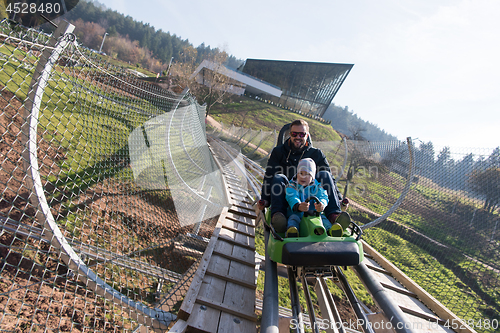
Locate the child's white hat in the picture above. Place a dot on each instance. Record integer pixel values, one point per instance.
(307, 165)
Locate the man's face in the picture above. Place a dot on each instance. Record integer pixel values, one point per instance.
(298, 142)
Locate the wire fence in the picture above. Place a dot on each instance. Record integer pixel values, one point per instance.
(109, 190)
(255, 144)
(109, 193)
(444, 234)
(432, 211)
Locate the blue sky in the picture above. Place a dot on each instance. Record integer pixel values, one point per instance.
(428, 69)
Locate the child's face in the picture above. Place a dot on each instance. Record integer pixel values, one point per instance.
(304, 178)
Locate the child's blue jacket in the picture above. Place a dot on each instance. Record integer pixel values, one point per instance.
(296, 193)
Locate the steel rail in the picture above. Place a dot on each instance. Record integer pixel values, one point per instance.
(355, 304)
(98, 253)
(254, 182)
(310, 306)
(270, 310)
(327, 306)
(181, 137)
(295, 300)
(382, 297)
(161, 97)
(240, 167)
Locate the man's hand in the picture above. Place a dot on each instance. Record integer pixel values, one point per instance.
(319, 206)
(261, 204)
(344, 204)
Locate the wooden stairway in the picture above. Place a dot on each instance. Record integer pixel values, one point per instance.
(221, 297)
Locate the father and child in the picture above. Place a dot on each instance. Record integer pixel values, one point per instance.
(296, 171)
(304, 186)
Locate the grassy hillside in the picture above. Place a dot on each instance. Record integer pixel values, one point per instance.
(442, 274)
(250, 113)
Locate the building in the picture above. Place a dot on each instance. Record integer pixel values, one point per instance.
(308, 87)
(239, 83)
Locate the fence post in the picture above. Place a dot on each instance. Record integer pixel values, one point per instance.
(472, 219)
(345, 158)
(494, 230)
(403, 194)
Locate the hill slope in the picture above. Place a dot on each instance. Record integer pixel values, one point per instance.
(250, 113)
(346, 121)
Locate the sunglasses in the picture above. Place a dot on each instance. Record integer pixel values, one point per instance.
(299, 134)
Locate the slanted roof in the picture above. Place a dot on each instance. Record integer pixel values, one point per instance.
(252, 84)
(306, 86)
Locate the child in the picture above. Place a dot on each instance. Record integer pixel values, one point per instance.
(302, 186)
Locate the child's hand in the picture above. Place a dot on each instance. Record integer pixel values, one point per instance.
(303, 206)
(319, 206)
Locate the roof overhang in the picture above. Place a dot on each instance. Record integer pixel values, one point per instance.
(252, 84)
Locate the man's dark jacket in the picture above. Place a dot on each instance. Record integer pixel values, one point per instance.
(284, 160)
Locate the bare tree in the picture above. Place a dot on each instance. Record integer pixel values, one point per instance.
(210, 82)
(357, 132)
(487, 183)
(357, 159)
(182, 68)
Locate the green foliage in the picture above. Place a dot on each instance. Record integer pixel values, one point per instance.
(17, 67)
(162, 45)
(487, 184)
(346, 121)
(3, 12)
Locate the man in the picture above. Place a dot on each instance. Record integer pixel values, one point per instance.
(282, 166)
